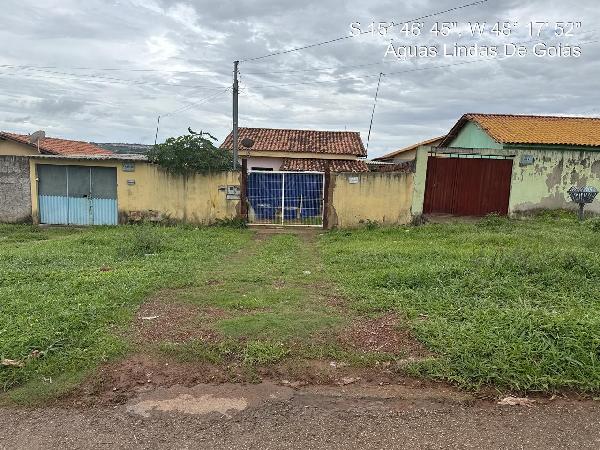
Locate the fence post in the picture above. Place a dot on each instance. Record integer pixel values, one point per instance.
(244, 190)
(326, 195)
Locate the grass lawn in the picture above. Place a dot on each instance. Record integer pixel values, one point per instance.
(513, 304)
(509, 303)
(67, 293)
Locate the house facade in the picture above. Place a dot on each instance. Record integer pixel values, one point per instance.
(16, 185)
(300, 150)
(508, 164)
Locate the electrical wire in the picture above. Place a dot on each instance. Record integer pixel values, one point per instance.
(197, 103)
(97, 78)
(342, 38)
(108, 69)
(360, 77)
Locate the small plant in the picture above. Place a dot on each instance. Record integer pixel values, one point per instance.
(145, 241)
(258, 352)
(371, 224)
(492, 220)
(236, 222)
(594, 225)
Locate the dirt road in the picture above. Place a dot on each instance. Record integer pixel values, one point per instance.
(273, 416)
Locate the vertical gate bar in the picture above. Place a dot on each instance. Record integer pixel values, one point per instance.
(325, 196)
(89, 200)
(68, 205)
(282, 198)
(243, 193)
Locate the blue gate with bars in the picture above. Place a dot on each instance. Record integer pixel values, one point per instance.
(77, 195)
(285, 198)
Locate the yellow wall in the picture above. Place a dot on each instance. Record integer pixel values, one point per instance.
(196, 199)
(385, 198)
(9, 147)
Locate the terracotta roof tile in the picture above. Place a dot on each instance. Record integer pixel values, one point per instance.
(56, 146)
(318, 165)
(543, 130)
(304, 141)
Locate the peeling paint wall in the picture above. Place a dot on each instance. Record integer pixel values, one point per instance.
(385, 198)
(544, 184)
(150, 190)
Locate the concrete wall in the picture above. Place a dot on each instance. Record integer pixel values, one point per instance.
(385, 198)
(544, 184)
(150, 191)
(15, 189)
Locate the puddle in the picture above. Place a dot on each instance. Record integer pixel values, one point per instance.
(188, 404)
(202, 399)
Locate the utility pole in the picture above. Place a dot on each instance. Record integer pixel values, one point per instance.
(235, 114)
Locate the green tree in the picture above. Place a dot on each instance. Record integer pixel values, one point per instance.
(191, 153)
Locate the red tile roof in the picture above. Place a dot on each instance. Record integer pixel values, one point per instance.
(525, 129)
(319, 165)
(433, 142)
(56, 146)
(301, 141)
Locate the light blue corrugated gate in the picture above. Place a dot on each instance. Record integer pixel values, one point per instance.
(77, 195)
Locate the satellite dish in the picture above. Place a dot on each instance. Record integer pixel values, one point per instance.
(247, 142)
(34, 138)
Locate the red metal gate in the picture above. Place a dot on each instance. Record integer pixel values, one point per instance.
(467, 186)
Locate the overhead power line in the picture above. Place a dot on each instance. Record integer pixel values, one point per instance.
(350, 36)
(418, 69)
(109, 69)
(97, 78)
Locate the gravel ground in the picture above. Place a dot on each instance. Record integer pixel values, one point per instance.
(270, 416)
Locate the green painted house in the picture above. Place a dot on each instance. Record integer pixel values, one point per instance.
(508, 164)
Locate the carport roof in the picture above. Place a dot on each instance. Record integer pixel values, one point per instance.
(529, 129)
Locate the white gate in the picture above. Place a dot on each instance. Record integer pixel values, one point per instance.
(285, 198)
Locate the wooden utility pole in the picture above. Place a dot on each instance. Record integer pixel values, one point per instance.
(235, 114)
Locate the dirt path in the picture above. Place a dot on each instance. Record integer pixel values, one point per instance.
(271, 416)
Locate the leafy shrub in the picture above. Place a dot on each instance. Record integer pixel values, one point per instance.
(189, 154)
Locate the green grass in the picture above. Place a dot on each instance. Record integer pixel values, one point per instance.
(513, 304)
(67, 293)
(270, 290)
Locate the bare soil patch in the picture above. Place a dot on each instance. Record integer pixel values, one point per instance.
(163, 318)
(383, 334)
(116, 382)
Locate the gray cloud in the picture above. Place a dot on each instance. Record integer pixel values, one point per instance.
(182, 53)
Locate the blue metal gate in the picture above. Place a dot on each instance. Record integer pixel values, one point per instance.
(77, 195)
(285, 198)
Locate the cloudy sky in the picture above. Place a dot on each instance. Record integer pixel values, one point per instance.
(103, 70)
